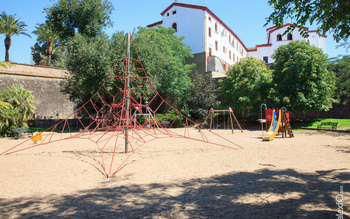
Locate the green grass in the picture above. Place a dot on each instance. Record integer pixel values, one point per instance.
(343, 124)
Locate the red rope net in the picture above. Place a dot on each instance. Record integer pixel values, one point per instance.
(109, 126)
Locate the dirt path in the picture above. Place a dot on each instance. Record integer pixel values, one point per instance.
(177, 178)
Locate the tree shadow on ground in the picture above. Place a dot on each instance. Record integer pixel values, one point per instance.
(265, 193)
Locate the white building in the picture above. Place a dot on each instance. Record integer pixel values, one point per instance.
(214, 45)
(275, 38)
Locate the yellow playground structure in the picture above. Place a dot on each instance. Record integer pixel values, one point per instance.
(279, 123)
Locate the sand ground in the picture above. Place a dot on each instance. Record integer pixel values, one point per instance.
(296, 177)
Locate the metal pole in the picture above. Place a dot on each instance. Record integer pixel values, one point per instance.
(127, 94)
(261, 118)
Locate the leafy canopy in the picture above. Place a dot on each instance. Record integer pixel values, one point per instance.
(341, 67)
(301, 79)
(329, 15)
(87, 17)
(162, 54)
(10, 25)
(245, 87)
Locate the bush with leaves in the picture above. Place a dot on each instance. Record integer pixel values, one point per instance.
(16, 107)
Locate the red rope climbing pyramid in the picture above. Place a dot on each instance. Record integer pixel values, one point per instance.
(120, 119)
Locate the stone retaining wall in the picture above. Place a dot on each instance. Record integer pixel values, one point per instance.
(44, 82)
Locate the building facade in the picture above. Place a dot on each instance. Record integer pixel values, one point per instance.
(215, 46)
(276, 38)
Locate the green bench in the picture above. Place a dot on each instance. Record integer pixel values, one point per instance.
(328, 125)
(19, 132)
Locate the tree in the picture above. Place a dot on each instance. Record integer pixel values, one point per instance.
(58, 54)
(88, 63)
(88, 17)
(46, 34)
(163, 56)
(10, 25)
(202, 95)
(301, 79)
(330, 15)
(341, 67)
(246, 85)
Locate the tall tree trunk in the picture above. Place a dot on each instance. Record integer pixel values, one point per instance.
(7, 48)
(49, 53)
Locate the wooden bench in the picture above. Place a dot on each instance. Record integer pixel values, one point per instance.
(328, 125)
(19, 132)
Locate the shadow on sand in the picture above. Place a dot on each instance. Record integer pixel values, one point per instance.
(263, 194)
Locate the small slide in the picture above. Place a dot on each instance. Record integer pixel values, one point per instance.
(273, 130)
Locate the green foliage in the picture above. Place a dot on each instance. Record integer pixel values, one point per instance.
(201, 96)
(341, 67)
(46, 37)
(246, 85)
(329, 15)
(171, 117)
(7, 117)
(163, 56)
(343, 124)
(9, 26)
(88, 63)
(5, 64)
(301, 79)
(16, 107)
(88, 17)
(40, 56)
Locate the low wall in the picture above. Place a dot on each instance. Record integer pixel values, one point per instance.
(44, 82)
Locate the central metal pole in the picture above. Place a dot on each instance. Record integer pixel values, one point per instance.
(127, 94)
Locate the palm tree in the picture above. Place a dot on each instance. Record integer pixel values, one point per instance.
(45, 33)
(10, 26)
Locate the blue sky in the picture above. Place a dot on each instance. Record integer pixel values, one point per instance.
(245, 18)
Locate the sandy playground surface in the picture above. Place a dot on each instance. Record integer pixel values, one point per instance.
(178, 178)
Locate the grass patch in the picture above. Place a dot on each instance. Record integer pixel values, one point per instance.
(343, 124)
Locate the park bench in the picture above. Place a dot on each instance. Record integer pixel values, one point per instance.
(19, 132)
(328, 125)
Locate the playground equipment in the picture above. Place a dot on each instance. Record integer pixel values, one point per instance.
(223, 113)
(113, 113)
(279, 121)
(36, 137)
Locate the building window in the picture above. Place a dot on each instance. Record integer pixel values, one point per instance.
(279, 37)
(266, 59)
(167, 14)
(223, 49)
(229, 54)
(174, 12)
(216, 46)
(210, 52)
(229, 38)
(209, 32)
(233, 57)
(216, 27)
(289, 36)
(209, 18)
(174, 26)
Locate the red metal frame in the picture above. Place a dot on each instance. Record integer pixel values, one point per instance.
(107, 124)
